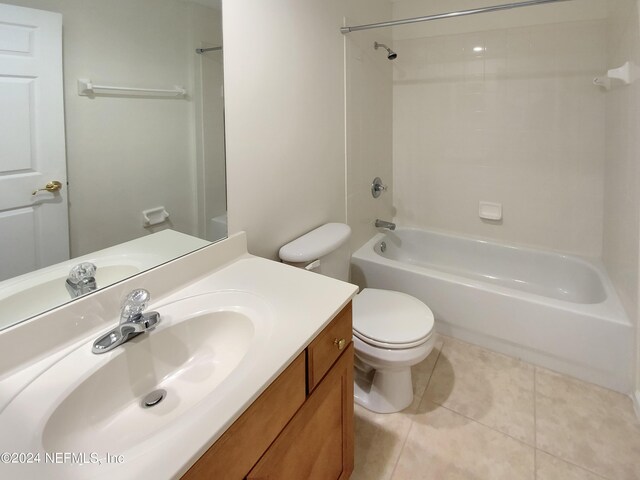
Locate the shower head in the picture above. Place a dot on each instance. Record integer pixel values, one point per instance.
(392, 55)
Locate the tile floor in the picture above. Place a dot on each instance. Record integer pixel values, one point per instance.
(479, 415)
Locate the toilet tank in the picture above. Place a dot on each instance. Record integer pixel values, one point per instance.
(324, 250)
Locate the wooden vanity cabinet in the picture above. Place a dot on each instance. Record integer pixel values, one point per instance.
(301, 427)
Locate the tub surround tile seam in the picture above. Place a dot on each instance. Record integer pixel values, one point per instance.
(419, 393)
(401, 451)
(604, 471)
(453, 344)
(483, 424)
(573, 464)
(470, 421)
(435, 364)
(404, 442)
(412, 421)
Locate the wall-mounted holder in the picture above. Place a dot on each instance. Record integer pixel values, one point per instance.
(87, 88)
(490, 211)
(154, 216)
(377, 187)
(627, 74)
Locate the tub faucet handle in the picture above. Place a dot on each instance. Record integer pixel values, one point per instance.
(377, 187)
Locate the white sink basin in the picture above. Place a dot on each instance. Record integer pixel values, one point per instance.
(49, 291)
(31, 294)
(92, 403)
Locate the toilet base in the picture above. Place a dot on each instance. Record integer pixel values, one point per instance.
(383, 391)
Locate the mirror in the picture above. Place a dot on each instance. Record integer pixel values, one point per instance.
(112, 151)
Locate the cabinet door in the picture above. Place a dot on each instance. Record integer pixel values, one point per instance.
(240, 447)
(318, 442)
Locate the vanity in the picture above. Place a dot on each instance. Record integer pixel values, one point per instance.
(254, 357)
(301, 426)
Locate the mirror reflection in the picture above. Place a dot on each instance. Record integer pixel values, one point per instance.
(111, 143)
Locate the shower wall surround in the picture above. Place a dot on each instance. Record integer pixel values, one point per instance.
(622, 169)
(369, 120)
(507, 115)
(622, 195)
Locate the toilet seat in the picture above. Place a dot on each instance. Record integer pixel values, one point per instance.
(392, 320)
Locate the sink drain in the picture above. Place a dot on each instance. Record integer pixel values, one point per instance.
(154, 398)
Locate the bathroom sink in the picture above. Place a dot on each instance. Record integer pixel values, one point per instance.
(31, 294)
(95, 403)
(35, 292)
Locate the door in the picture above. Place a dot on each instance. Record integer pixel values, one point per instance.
(34, 229)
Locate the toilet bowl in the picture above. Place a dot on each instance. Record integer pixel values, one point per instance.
(392, 331)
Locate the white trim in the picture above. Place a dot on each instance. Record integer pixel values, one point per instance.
(636, 402)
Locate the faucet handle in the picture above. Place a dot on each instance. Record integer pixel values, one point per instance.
(135, 303)
(81, 272)
(377, 187)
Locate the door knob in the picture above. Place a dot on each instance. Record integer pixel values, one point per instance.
(52, 186)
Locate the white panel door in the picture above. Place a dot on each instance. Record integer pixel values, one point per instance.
(34, 229)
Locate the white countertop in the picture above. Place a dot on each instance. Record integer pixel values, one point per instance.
(35, 292)
(301, 303)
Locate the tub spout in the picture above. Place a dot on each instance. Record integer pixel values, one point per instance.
(383, 224)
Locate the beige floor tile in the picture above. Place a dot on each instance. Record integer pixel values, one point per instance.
(443, 445)
(421, 374)
(493, 389)
(552, 468)
(587, 425)
(379, 440)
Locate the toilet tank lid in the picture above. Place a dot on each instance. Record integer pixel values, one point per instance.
(315, 244)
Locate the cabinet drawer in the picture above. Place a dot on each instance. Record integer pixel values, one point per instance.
(327, 347)
(240, 447)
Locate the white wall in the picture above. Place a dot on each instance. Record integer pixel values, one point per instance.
(125, 154)
(622, 167)
(285, 128)
(369, 120)
(518, 123)
(622, 197)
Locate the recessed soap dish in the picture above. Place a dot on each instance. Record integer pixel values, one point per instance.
(490, 211)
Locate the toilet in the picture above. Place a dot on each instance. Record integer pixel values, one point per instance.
(392, 331)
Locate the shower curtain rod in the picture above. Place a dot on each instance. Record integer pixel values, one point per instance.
(459, 13)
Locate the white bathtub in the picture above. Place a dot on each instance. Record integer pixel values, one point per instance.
(554, 310)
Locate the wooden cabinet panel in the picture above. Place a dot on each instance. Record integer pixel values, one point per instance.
(327, 347)
(318, 442)
(240, 447)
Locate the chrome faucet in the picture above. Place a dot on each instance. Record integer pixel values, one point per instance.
(383, 224)
(133, 322)
(81, 279)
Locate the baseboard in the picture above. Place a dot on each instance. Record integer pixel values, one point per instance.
(636, 403)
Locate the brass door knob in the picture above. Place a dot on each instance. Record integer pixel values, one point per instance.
(340, 343)
(52, 186)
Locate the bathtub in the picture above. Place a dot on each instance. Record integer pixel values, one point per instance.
(557, 311)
